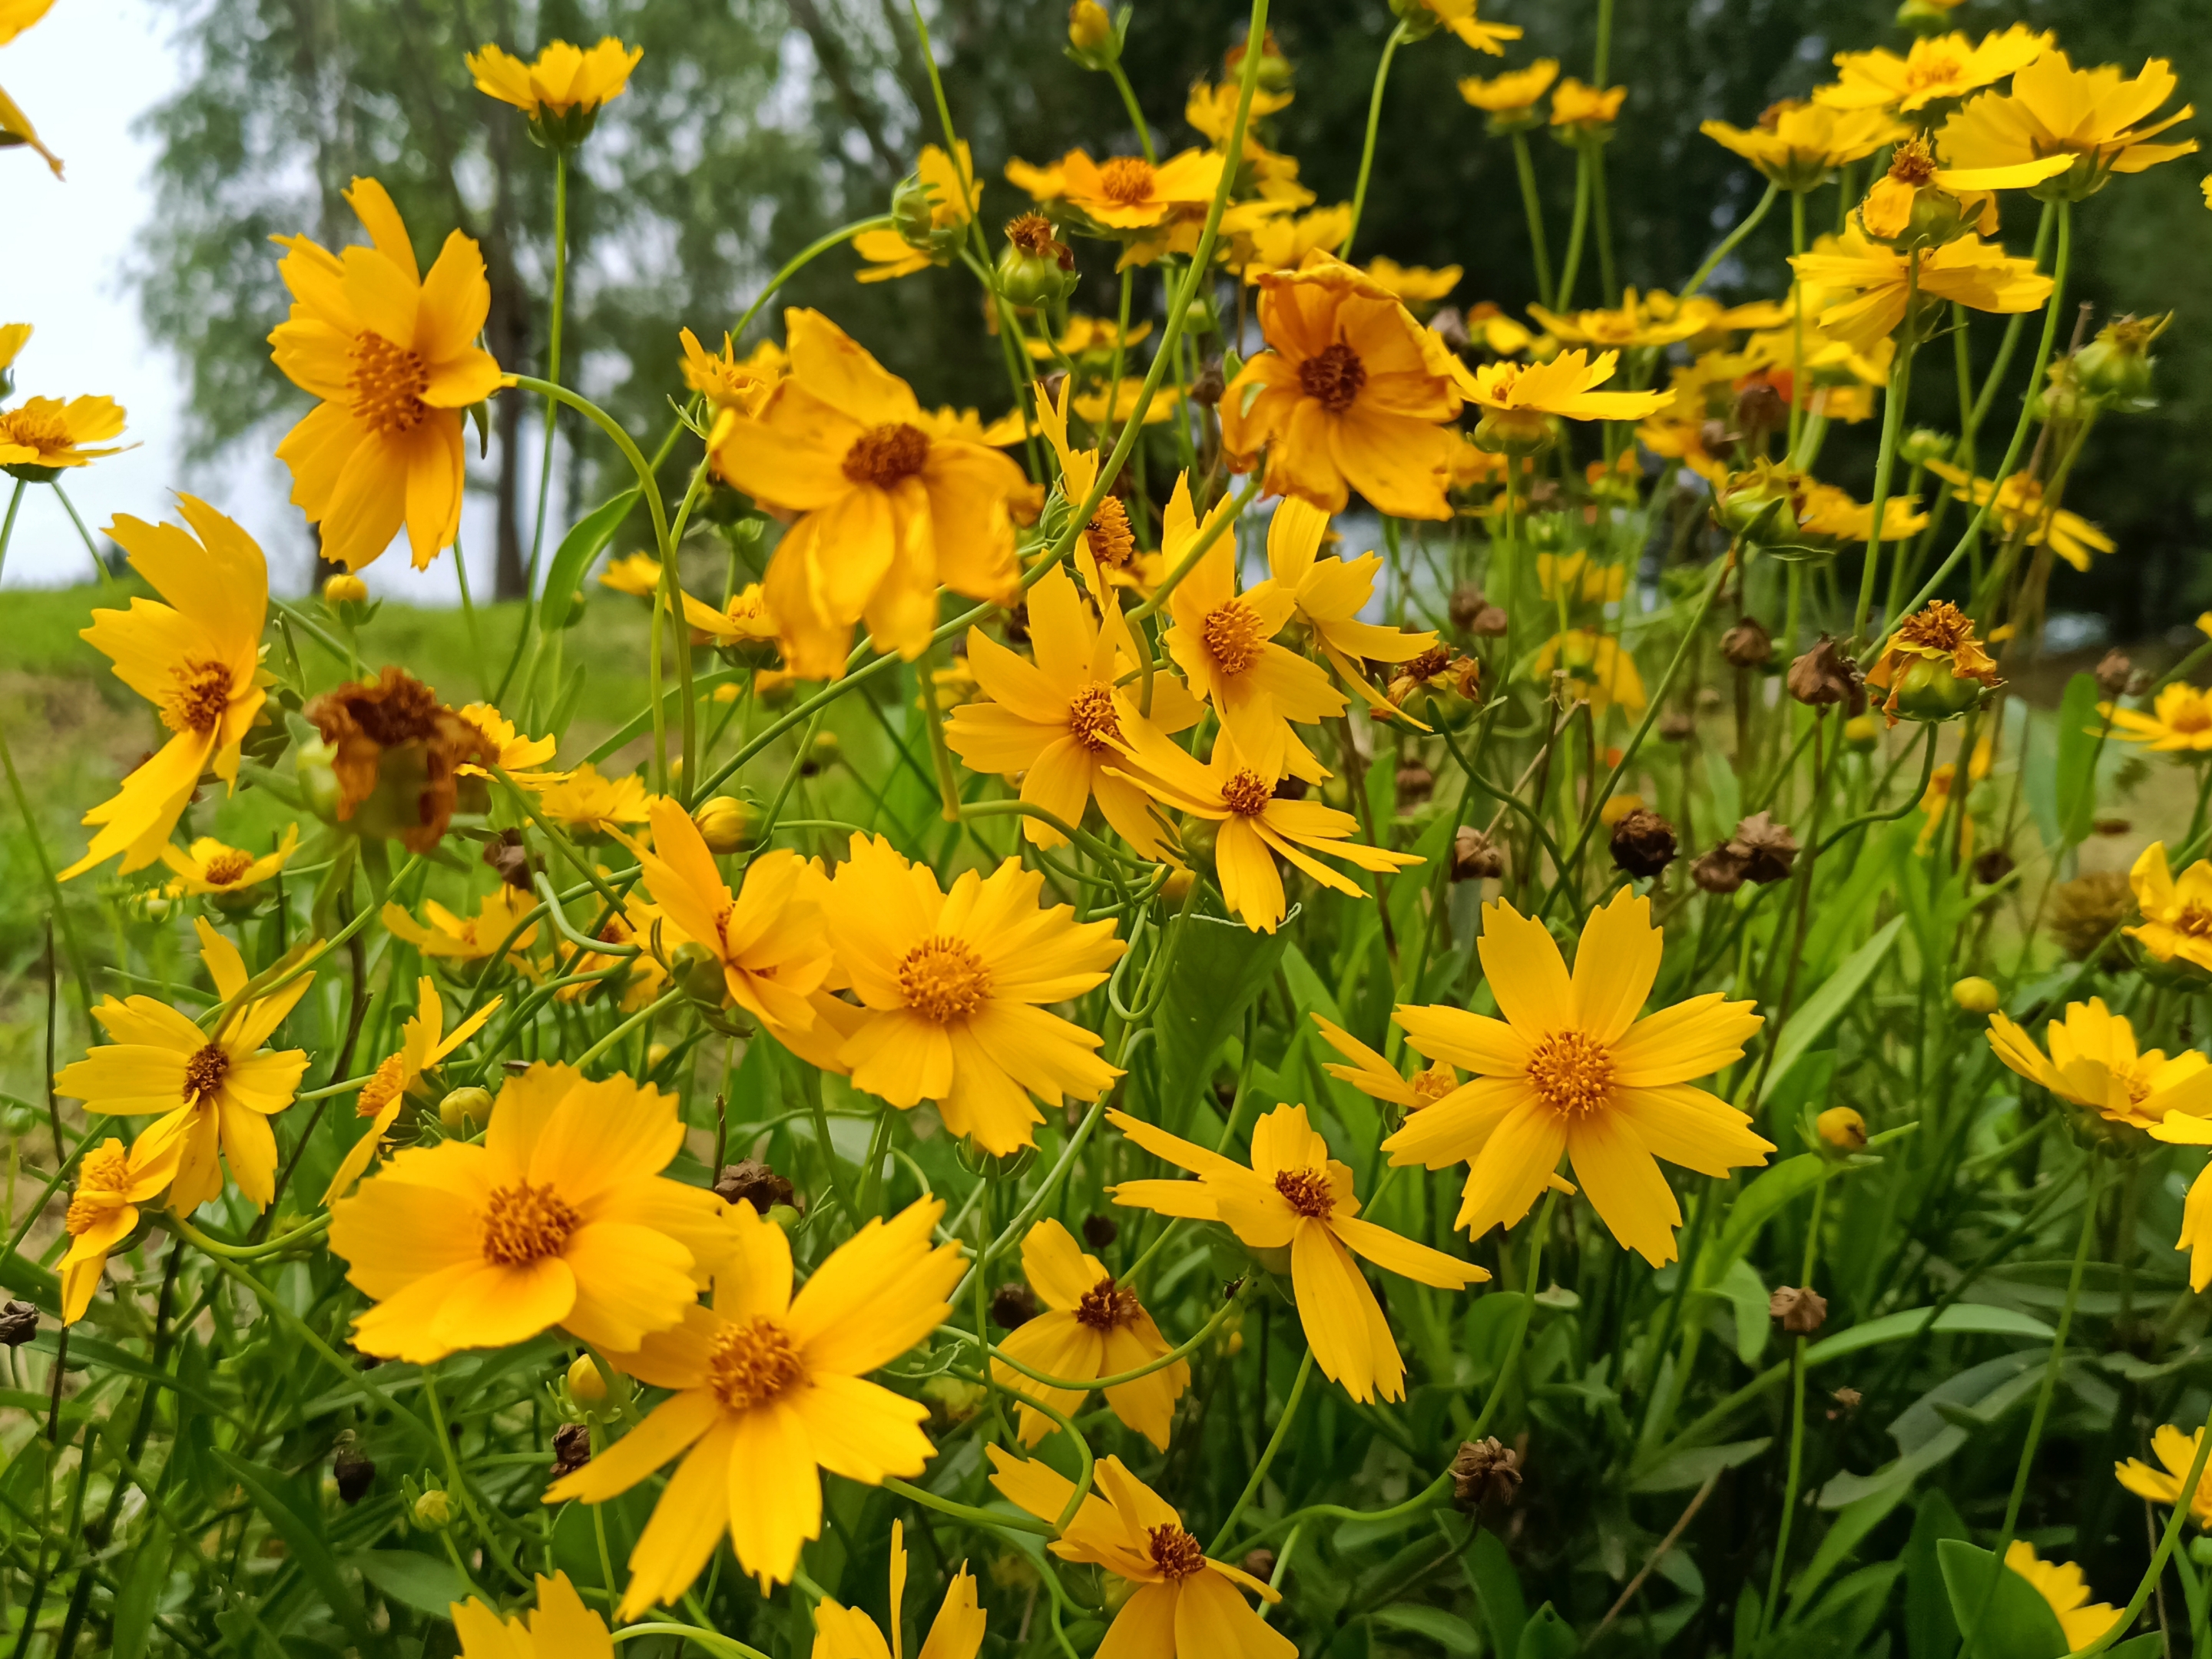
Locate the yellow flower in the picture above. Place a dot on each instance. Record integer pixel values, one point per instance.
(1582, 577)
(393, 357)
(1057, 720)
(1091, 1326)
(2087, 115)
(1968, 271)
(41, 435)
(1932, 69)
(2094, 1063)
(217, 1090)
(744, 621)
(2177, 1451)
(886, 506)
(1328, 596)
(2019, 506)
(2176, 915)
(1376, 1077)
(212, 867)
(564, 77)
(1458, 16)
(196, 659)
(1519, 400)
(1256, 826)
(1931, 663)
(1225, 643)
(954, 196)
(1295, 1197)
(637, 574)
(1107, 552)
(2060, 1583)
(1638, 322)
(1212, 106)
(1266, 238)
(559, 1627)
(585, 804)
(1127, 192)
(1048, 183)
(1184, 1604)
(1417, 287)
(112, 1181)
(1512, 92)
(1504, 335)
(1797, 145)
(424, 1043)
(1915, 171)
(1586, 107)
(1087, 336)
(766, 940)
(769, 1390)
(1351, 396)
(470, 938)
(560, 1216)
(1099, 411)
(1598, 669)
(13, 337)
(16, 128)
(842, 1633)
(2180, 722)
(952, 985)
(729, 381)
(519, 757)
(1571, 1069)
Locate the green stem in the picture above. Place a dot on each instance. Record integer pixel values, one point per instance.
(799, 261)
(1367, 145)
(7, 526)
(1267, 1457)
(1796, 1419)
(1533, 204)
(1750, 223)
(99, 565)
(1601, 215)
(1136, 114)
(552, 357)
(1578, 227)
(640, 1018)
(705, 1638)
(1510, 1368)
(1892, 423)
(1797, 399)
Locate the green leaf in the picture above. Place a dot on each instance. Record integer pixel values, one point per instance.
(1547, 1636)
(583, 543)
(140, 1595)
(1772, 1189)
(422, 1581)
(1698, 1464)
(301, 1528)
(1930, 1632)
(1963, 1318)
(1219, 966)
(2014, 1620)
(1451, 1633)
(1849, 1531)
(1726, 793)
(1498, 1587)
(1822, 1009)
(2080, 735)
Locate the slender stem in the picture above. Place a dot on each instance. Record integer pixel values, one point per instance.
(1797, 399)
(1510, 1367)
(1796, 1418)
(799, 261)
(1267, 1457)
(99, 565)
(1893, 424)
(1367, 146)
(1602, 215)
(1750, 223)
(1603, 57)
(7, 526)
(552, 356)
(705, 1638)
(623, 1030)
(1533, 204)
(1578, 227)
(1136, 113)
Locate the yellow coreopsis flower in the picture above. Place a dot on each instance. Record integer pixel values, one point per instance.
(728, 381)
(424, 1043)
(1087, 336)
(1915, 171)
(2088, 116)
(953, 986)
(41, 436)
(1295, 1197)
(1328, 594)
(1091, 1327)
(197, 658)
(561, 1627)
(1635, 323)
(1514, 92)
(2062, 1586)
(2178, 1452)
(1585, 110)
(1520, 400)
(744, 621)
(1459, 17)
(559, 1217)
(841, 1632)
(1378, 1080)
(635, 574)
(16, 128)
(1969, 271)
(1266, 238)
(393, 354)
(585, 804)
(1797, 145)
(211, 867)
(2093, 1062)
(217, 1090)
(886, 504)
(469, 939)
(564, 77)
(522, 759)
(13, 337)
(112, 1182)
(1571, 1068)
(1351, 395)
(1184, 1604)
(2176, 915)
(1933, 69)
(1127, 192)
(954, 194)
(1599, 670)
(1057, 719)
(2020, 509)
(2180, 721)
(1418, 288)
(1933, 664)
(770, 1390)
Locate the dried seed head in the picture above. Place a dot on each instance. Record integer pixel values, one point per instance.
(1013, 1305)
(1643, 843)
(1802, 1311)
(1484, 1472)
(1475, 857)
(752, 1181)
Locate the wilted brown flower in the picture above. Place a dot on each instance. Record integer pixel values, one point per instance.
(571, 1450)
(1475, 857)
(1802, 1311)
(510, 858)
(1100, 1230)
(1993, 866)
(1719, 871)
(1827, 676)
(1415, 784)
(1211, 383)
(1747, 645)
(19, 1323)
(1643, 843)
(1472, 613)
(1676, 726)
(1767, 848)
(353, 1473)
(1847, 1399)
(2114, 672)
(1484, 1472)
(1260, 1564)
(749, 1181)
(1013, 1304)
(397, 754)
(1933, 667)
(2085, 910)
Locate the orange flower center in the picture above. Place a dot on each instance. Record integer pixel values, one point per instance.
(752, 1362)
(525, 1223)
(37, 429)
(2194, 716)
(1105, 1306)
(202, 696)
(380, 1090)
(1573, 1071)
(1175, 1552)
(387, 383)
(2195, 921)
(83, 1213)
(1427, 665)
(1936, 70)
(226, 867)
(1307, 1191)
(1091, 718)
(1127, 180)
(944, 980)
(107, 1169)
(1233, 636)
(205, 1070)
(1914, 163)
(1333, 378)
(1246, 793)
(1940, 626)
(1431, 1085)
(1107, 535)
(887, 455)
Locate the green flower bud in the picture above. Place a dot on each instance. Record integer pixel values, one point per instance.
(434, 1511)
(463, 1110)
(1923, 445)
(1929, 691)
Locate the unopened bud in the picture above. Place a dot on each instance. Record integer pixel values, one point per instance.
(1923, 445)
(728, 824)
(463, 1110)
(1089, 26)
(432, 1511)
(1863, 732)
(1841, 1129)
(344, 588)
(1977, 995)
(587, 1384)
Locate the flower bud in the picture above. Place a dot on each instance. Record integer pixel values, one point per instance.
(1091, 30)
(1928, 690)
(1924, 17)
(698, 972)
(432, 1511)
(1176, 887)
(1976, 995)
(728, 824)
(465, 1109)
(1863, 732)
(2115, 367)
(1514, 432)
(1924, 444)
(825, 752)
(318, 779)
(1841, 1129)
(587, 1384)
(1035, 268)
(1416, 20)
(343, 589)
